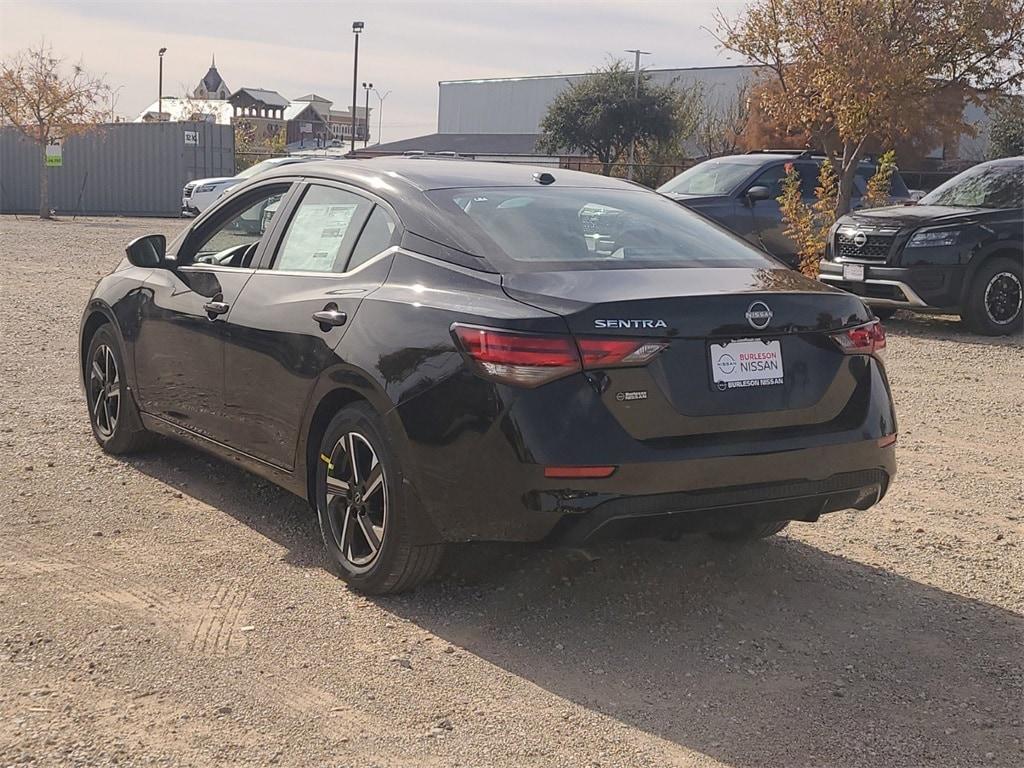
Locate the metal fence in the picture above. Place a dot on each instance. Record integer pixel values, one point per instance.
(130, 169)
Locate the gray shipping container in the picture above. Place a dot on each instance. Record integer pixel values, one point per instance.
(125, 169)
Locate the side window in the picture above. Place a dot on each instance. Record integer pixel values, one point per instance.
(233, 242)
(376, 237)
(771, 178)
(808, 180)
(320, 233)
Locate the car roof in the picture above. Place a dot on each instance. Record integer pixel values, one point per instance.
(422, 174)
(764, 158)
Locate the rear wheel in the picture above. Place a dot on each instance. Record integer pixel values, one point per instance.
(370, 533)
(751, 532)
(112, 413)
(994, 300)
(884, 313)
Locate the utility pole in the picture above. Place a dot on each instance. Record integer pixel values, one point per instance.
(636, 93)
(380, 112)
(367, 87)
(160, 88)
(357, 27)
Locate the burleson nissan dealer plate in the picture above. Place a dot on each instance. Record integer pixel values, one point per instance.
(746, 363)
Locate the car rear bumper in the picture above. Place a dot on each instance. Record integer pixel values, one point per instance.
(924, 287)
(728, 508)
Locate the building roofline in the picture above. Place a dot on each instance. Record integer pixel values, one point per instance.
(583, 74)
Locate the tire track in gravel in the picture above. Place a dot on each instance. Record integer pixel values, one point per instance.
(216, 631)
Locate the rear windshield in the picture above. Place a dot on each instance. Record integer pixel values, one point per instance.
(546, 228)
(712, 177)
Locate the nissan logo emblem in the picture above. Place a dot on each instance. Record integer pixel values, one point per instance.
(759, 315)
(860, 239)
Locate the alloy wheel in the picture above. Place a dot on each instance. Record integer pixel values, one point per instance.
(104, 391)
(1003, 296)
(357, 499)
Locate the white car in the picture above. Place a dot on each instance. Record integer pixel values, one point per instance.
(200, 194)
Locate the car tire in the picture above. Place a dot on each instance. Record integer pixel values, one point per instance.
(369, 527)
(884, 313)
(994, 299)
(113, 414)
(751, 532)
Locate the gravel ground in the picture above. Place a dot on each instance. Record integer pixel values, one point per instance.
(171, 610)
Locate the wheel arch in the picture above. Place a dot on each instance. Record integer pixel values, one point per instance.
(1003, 249)
(327, 407)
(98, 314)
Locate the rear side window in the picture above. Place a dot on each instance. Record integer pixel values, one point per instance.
(321, 231)
(376, 237)
(541, 228)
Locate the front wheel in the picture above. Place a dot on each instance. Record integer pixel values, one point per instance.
(112, 414)
(370, 532)
(993, 306)
(751, 532)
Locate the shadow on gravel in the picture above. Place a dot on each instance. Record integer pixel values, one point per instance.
(282, 517)
(944, 328)
(774, 653)
(767, 654)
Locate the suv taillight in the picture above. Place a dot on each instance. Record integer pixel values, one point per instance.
(867, 339)
(532, 359)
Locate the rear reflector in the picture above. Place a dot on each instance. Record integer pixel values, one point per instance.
(531, 359)
(888, 440)
(867, 339)
(578, 471)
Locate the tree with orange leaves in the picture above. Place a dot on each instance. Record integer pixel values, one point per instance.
(852, 73)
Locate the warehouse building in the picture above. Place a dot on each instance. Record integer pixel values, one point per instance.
(499, 119)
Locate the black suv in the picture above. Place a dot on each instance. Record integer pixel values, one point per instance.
(958, 250)
(740, 191)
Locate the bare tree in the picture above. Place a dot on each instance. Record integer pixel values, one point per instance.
(45, 103)
(721, 124)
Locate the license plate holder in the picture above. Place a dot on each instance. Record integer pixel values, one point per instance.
(853, 272)
(744, 363)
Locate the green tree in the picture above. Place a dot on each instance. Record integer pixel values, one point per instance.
(856, 73)
(1006, 134)
(603, 113)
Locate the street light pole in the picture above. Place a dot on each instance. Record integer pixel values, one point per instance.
(636, 93)
(357, 27)
(380, 112)
(160, 88)
(367, 87)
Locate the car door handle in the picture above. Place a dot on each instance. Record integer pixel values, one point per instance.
(216, 307)
(329, 318)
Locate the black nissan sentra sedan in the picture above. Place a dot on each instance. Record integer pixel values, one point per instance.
(437, 351)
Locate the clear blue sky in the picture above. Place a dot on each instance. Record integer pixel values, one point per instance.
(407, 47)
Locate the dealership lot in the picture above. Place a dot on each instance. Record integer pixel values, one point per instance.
(170, 609)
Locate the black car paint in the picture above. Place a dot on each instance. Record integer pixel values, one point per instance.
(940, 276)
(474, 450)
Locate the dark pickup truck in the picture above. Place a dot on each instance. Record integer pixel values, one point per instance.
(958, 250)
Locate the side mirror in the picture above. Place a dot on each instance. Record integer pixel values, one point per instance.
(758, 192)
(147, 251)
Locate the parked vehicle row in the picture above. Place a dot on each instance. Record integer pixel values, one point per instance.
(958, 249)
(437, 351)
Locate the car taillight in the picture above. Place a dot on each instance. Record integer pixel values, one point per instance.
(867, 339)
(531, 359)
